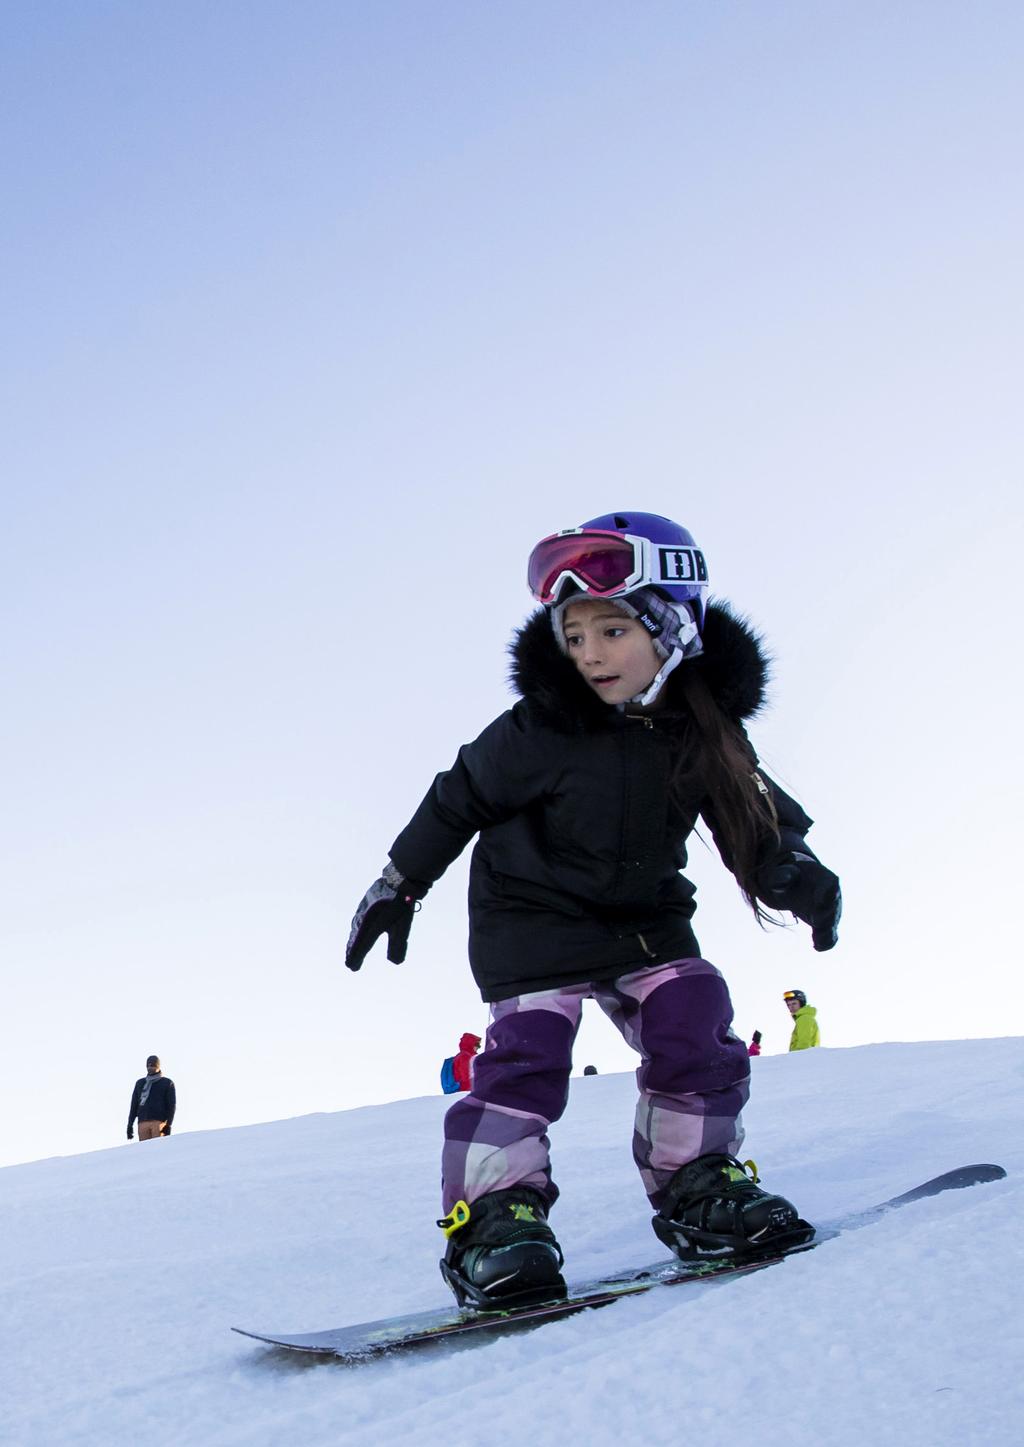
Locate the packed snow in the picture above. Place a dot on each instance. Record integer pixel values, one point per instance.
(124, 1270)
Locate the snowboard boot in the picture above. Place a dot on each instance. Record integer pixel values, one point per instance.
(501, 1251)
(715, 1207)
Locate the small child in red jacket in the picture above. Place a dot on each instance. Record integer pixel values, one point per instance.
(468, 1046)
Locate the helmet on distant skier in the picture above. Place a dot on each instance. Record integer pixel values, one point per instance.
(646, 565)
(797, 995)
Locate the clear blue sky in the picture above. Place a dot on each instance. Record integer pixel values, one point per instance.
(316, 317)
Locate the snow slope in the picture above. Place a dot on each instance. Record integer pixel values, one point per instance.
(124, 1269)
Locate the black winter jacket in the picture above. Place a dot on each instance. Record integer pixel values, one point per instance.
(575, 876)
(160, 1103)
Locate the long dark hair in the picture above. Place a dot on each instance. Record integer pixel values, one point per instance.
(725, 764)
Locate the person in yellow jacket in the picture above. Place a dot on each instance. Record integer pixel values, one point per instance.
(805, 1021)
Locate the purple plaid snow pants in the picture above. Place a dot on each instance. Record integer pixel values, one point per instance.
(693, 1078)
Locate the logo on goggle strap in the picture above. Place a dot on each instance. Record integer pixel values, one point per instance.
(681, 565)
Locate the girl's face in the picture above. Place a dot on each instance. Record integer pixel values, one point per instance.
(613, 652)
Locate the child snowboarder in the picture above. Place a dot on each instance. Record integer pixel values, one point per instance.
(629, 727)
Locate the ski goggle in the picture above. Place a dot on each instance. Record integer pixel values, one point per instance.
(604, 564)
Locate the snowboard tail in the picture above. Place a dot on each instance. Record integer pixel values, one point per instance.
(366, 1340)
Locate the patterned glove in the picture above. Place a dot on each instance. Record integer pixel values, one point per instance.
(801, 884)
(387, 907)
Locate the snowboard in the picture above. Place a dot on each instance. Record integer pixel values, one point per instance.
(370, 1339)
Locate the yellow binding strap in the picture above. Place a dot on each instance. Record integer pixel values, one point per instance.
(456, 1218)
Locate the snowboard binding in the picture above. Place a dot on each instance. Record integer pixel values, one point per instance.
(714, 1206)
(501, 1252)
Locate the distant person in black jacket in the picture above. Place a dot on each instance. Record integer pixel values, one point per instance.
(153, 1103)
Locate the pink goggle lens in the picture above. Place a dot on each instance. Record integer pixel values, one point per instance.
(602, 561)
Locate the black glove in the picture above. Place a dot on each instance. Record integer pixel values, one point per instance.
(801, 884)
(387, 907)
(131, 1134)
(166, 1130)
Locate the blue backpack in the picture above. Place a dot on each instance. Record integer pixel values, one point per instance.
(448, 1082)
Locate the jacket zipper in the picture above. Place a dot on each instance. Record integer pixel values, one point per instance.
(766, 794)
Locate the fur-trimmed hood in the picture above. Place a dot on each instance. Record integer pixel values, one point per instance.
(734, 664)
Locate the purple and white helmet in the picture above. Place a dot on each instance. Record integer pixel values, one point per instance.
(615, 554)
(647, 565)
